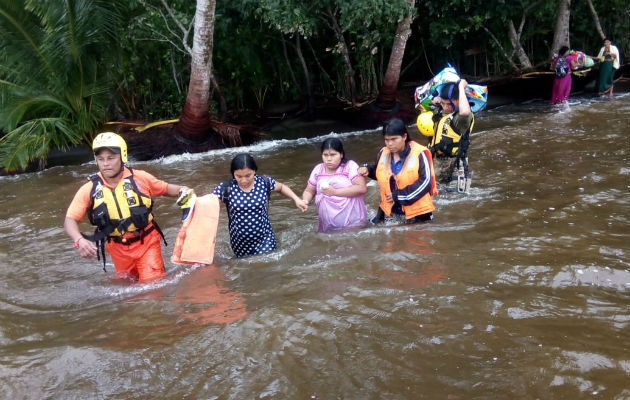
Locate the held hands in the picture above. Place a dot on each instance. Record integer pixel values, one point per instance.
(301, 204)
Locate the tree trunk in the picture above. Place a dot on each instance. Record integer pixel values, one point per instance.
(288, 61)
(515, 67)
(387, 95)
(352, 86)
(518, 48)
(561, 33)
(596, 19)
(194, 123)
(310, 100)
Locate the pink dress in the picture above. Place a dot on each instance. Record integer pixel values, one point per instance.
(336, 212)
(562, 86)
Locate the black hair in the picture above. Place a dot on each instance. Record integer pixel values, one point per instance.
(395, 127)
(563, 50)
(242, 161)
(450, 91)
(335, 144)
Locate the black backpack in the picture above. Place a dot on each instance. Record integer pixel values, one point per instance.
(562, 67)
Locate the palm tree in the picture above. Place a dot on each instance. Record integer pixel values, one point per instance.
(194, 123)
(53, 69)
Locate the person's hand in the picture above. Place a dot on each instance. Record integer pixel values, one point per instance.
(363, 171)
(463, 83)
(86, 248)
(186, 194)
(331, 191)
(389, 198)
(301, 204)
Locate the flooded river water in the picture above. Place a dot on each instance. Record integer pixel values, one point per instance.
(518, 290)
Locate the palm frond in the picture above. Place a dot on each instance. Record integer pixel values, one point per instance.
(34, 139)
(54, 83)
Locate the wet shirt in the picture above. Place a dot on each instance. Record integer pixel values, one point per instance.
(337, 212)
(250, 229)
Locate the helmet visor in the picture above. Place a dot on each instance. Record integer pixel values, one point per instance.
(112, 149)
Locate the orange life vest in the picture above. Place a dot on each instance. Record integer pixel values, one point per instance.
(197, 236)
(407, 176)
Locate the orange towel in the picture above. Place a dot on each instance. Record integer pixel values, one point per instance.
(197, 236)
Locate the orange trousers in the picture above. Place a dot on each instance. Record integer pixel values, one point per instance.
(141, 261)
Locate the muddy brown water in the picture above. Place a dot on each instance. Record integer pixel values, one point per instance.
(519, 290)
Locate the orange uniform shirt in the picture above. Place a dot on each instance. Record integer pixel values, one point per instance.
(147, 184)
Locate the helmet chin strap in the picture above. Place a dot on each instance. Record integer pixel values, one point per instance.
(122, 167)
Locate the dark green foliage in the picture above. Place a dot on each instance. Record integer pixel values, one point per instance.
(65, 67)
(53, 84)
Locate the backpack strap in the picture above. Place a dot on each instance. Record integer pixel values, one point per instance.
(267, 181)
(227, 190)
(100, 237)
(225, 196)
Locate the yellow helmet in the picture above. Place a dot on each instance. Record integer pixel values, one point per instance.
(425, 123)
(111, 141)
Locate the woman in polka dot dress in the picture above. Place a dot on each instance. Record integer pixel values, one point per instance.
(246, 197)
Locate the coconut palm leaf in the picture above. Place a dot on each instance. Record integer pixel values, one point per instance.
(54, 83)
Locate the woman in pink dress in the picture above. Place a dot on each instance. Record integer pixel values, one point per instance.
(337, 188)
(562, 64)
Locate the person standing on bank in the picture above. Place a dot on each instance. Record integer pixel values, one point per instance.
(337, 188)
(404, 172)
(246, 197)
(562, 65)
(118, 201)
(450, 131)
(609, 62)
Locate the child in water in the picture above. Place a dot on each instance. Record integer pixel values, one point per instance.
(246, 196)
(337, 188)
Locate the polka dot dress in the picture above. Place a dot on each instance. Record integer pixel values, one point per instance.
(250, 228)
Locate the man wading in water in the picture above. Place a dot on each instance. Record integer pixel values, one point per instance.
(118, 202)
(451, 137)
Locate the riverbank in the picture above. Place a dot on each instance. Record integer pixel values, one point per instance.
(288, 121)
